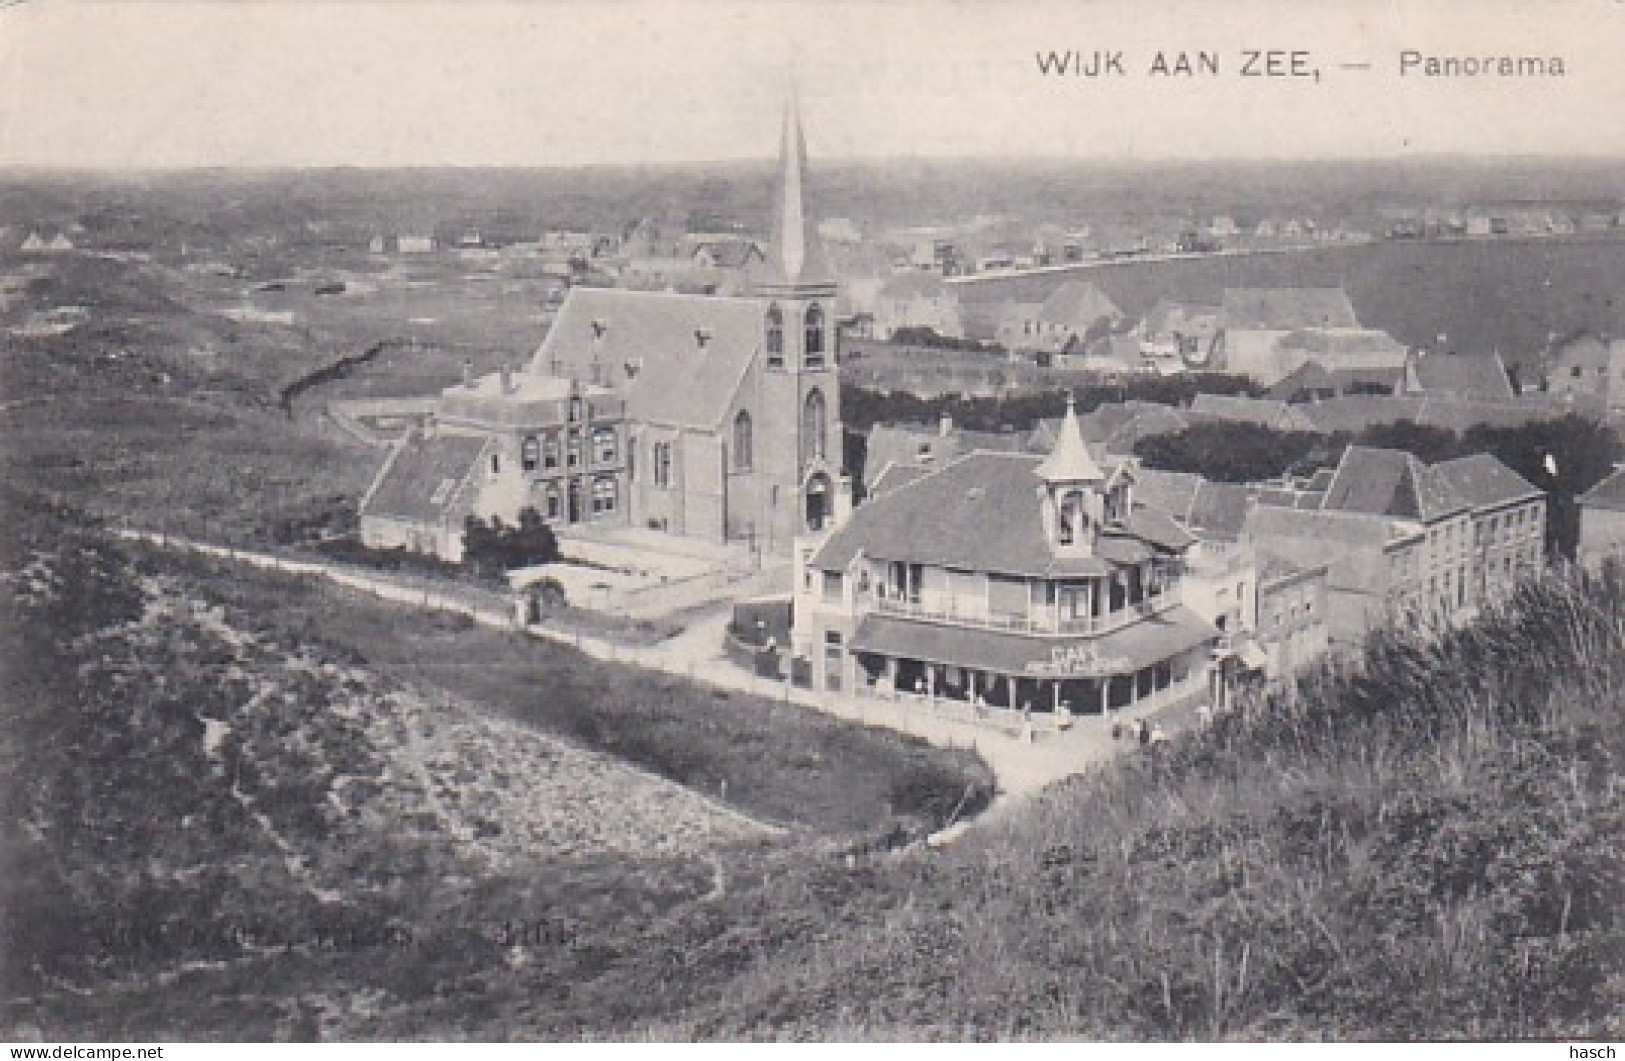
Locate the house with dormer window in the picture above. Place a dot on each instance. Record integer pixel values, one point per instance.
(1009, 580)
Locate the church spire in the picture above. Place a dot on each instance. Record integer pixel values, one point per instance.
(796, 262)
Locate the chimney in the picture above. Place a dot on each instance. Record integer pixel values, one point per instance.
(468, 373)
(507, 378)
(945, 424)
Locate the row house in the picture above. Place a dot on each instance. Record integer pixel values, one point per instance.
(1399, 535)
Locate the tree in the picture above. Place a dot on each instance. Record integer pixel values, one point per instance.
(493, 549)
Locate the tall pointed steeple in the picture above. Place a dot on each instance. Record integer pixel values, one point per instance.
(796, 261)
(1069, 461)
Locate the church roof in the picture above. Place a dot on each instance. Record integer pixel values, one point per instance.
(982, 512)
(678, 359)
(796, 257)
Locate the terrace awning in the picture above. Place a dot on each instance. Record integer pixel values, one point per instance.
(1123, 651)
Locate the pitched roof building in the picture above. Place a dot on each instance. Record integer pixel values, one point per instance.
(1006, 580)
(1468, 377)
(1602, 522)
(704, 416)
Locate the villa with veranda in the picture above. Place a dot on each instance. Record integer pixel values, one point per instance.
(1009, 580)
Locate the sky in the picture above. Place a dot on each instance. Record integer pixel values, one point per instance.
(172, 83)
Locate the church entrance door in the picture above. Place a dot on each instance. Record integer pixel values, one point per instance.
(575, 502)
(818, 501)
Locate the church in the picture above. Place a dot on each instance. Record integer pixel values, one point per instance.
(706, 416)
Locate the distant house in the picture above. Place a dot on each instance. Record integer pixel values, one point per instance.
(916, 299)
(1265, 412)
(895, 451)
(1466, 376)
(840, 230)
(1586, 365)
(1073, 314)
(35, 243)
(1309, 382)
(1268, 333)
(727, 254)
(414, 244)
(1602, 523)
(1179, 331)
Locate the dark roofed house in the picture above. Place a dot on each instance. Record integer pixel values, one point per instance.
(1509, 521)
(1007, 581)
(1309, 382)
(1219, 510)
(1116, 426)
(1462, 376)
(892, 447)
(1265, 412)
(1387, 482)
(1172, 493)
(423, 494)
(1395, 531)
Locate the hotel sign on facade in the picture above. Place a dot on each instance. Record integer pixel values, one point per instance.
(1081, 659)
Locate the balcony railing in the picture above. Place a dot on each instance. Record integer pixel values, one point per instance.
(1043, 622)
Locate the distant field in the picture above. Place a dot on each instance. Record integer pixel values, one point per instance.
(1504, 295)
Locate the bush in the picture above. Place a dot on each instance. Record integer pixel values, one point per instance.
(492, 549)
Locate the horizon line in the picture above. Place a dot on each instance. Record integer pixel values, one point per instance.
(845, 160)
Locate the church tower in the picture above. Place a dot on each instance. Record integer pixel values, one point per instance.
(800, 394)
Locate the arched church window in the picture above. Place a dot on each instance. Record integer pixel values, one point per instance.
(814, 416)
(530, 454)
(814, 348)
(775, 337)
(743, 442)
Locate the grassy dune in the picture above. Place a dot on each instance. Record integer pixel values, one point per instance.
(228, 811)
(1429, 845)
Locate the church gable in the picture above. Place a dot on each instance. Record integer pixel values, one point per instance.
(678, 359)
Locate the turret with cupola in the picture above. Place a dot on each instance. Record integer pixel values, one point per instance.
(1077, 498)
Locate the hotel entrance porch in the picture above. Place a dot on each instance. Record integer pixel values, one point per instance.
(887, 676)
(987, 672)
